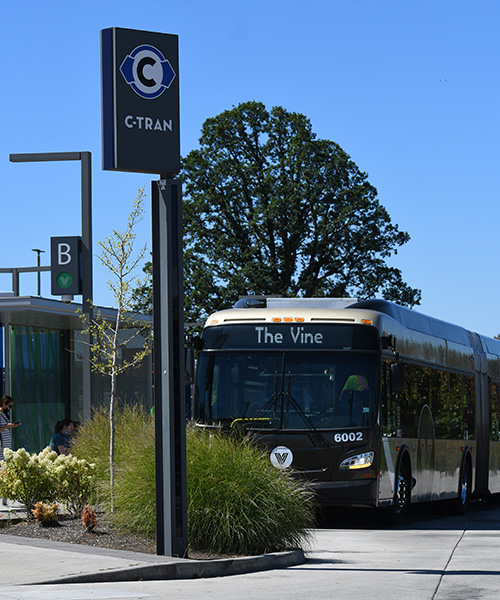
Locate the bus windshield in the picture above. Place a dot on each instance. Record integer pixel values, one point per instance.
(288, 390)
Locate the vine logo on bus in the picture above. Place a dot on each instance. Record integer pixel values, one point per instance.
(147, 71)
(281, 457)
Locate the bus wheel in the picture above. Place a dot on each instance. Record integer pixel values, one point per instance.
(402, 491)
(461, 504)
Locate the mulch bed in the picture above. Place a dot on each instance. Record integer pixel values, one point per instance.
(72, 531)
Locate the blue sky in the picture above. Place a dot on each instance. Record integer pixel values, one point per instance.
(411, 91)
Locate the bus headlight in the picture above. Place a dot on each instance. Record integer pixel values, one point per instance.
(359, 461)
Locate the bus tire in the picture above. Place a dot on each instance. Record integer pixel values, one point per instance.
(461, 503)
(402, 489)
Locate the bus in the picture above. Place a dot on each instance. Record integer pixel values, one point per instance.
(376, 405)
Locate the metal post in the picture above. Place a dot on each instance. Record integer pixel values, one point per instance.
(38, 252)
(169, 371)
(15, 281)
(87, 292)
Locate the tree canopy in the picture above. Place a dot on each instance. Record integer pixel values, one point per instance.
(271, 209)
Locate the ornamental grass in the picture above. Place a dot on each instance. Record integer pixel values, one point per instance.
(238, 503)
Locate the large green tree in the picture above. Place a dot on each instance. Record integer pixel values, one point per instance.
(271, 209)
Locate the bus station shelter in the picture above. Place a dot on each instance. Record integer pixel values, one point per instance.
(41, 367)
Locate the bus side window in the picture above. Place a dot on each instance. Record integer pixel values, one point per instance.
(462, 406)
(495, 412)
(385, 401)
(383, 398)
(389, 409)
(397, 378)
(445, 424)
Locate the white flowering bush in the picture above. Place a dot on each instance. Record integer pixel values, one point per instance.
(28, 478)
(75, 482)
(46, 477)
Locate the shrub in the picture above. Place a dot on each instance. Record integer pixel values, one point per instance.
(134, 431)
(28, 478)
(134, 493)
(92, 444)
(238, 503)
(46, 515)
(89, 518)
(45, 477)
(75, 482)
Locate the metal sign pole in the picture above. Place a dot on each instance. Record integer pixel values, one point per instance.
(87, 293)
(169, 369)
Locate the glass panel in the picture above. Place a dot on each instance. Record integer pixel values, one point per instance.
(463, 387)
(331, 390)
(233, 385)
(449, 396)
(2, 362)
(37, 384)
(495, 411)
(288, 390)
(133, 385)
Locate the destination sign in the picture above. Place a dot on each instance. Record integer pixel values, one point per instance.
(291, 336)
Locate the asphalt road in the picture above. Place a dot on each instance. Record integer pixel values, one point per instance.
(427, 557)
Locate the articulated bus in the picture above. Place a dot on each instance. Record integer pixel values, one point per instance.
(375, 404)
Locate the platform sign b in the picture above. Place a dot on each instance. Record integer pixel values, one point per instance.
(65, 266)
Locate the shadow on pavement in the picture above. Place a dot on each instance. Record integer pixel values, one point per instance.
(433, 516)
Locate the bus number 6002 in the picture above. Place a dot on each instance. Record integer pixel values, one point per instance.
(353, 436)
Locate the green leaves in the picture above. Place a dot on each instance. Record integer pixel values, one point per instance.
(46, 477)
(271, 209)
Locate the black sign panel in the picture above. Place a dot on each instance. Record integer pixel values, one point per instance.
(140, 101)
(284, 336)
(66, 266)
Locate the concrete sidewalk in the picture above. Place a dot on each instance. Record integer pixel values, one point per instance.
(427, 557)
(30, 561)
(27, 560)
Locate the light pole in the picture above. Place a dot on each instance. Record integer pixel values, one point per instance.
(38, 251)
(85, 159)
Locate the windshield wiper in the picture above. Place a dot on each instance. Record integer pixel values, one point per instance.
(317, 436)
(286, 397)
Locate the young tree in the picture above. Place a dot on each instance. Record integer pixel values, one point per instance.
(271, 209)
(110, 337)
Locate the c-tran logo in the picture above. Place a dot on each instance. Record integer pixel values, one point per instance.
(281, 457)
(147, 71)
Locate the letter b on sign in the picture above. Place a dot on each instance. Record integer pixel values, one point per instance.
(63, 253)
(65, 265)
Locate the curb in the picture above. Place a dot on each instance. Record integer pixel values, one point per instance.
(189, 569)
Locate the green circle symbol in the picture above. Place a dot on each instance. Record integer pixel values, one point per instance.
(64, 280)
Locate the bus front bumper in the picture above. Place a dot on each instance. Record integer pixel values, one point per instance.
(355, 492)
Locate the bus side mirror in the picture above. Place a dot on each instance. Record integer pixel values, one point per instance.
(388, 342)
(196, 342)
(397, 378)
